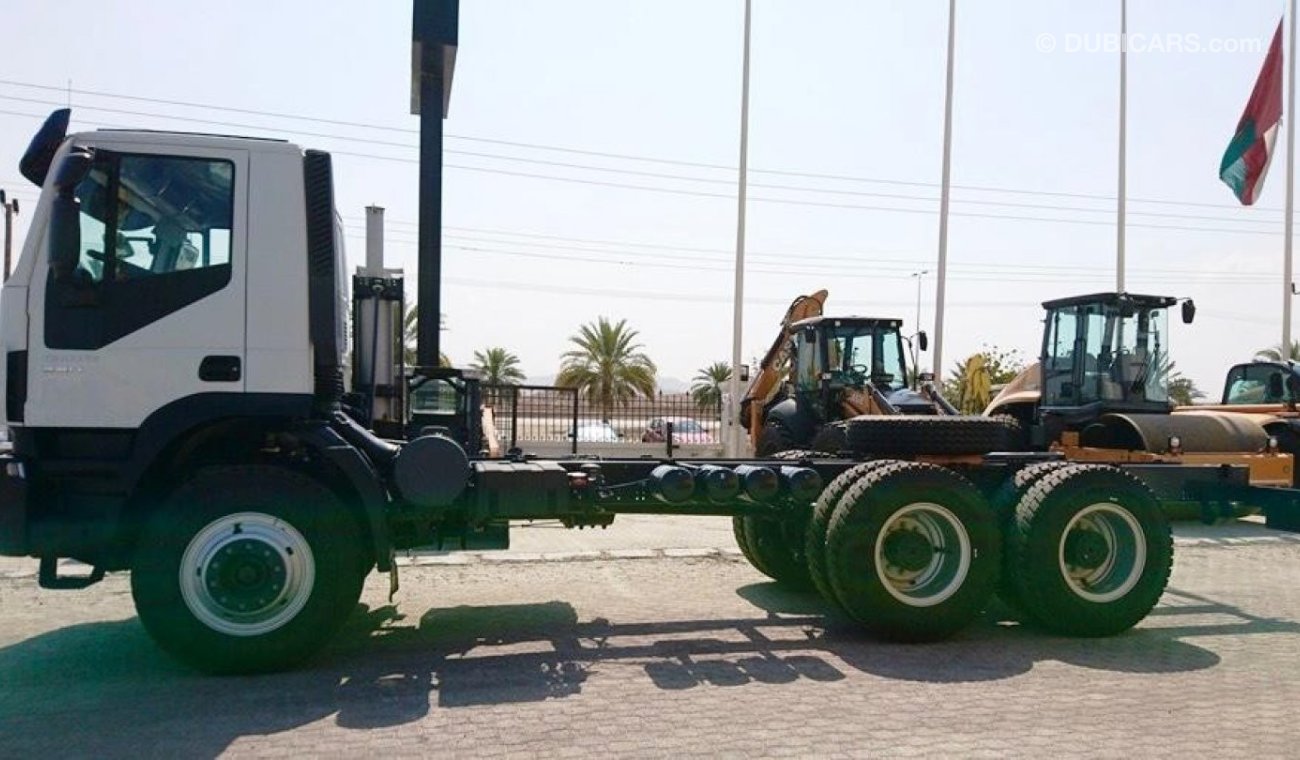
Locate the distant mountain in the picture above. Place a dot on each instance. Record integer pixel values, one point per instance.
(666, 384)
(673, 385)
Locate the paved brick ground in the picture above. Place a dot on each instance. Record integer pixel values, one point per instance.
(664, 656)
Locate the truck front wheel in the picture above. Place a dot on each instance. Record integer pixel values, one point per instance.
(247, 569)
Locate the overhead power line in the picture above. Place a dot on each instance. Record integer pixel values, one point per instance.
(579, 151)
(660, 175)
(839, 273)
(785, 201)
(809, 261)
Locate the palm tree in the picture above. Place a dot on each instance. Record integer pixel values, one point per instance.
(971, 385)
(1182, 389)
(607, 365)
(499, 366)
(410, 337)
(706, 390)
(1274, 353)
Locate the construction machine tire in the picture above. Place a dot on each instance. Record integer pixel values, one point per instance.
(1090, 551)
(830, 439)
(913, 551)
(738, 523)
(1004, 501)
(909, 434)
(800, 454)
(248, 569)
(776, 548)
(815, 537)
(774, 438)
(742, 541)
(1017, 436)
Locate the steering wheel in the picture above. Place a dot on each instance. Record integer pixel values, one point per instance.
(121, 254)
(858, 373)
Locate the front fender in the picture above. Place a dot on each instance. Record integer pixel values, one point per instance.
(361, 475)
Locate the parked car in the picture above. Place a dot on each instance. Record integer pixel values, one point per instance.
(685, 430)
(596, 432)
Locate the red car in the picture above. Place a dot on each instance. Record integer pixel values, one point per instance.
(685, 430)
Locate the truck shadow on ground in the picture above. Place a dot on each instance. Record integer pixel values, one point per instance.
(387, 670)
(1001, 645)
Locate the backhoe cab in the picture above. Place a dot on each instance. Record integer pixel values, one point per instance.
(843, 367)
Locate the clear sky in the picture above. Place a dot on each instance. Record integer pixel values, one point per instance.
(841, 88)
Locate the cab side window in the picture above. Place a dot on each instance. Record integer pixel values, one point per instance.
(156, 236)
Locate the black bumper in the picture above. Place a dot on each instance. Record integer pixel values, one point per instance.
(13, 508)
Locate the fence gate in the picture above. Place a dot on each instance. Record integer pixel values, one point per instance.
(533, 413)
(527, 414)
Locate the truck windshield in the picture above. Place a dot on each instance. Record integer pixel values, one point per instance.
(871, 353)
(1105, 352)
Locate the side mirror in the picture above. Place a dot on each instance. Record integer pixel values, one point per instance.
(1189, 311)
(63, 239)
(73, 168)
(35, 163)
(923, 341)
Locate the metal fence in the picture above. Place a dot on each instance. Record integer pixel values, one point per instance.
(537, 413)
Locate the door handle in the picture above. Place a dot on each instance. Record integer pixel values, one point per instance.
(220, 369)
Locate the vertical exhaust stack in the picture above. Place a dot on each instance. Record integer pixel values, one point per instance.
(433, 60)
(377, 363)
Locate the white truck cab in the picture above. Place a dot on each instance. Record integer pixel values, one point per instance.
(172, 285)
(167, 299)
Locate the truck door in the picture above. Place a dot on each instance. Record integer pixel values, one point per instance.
(155, 309)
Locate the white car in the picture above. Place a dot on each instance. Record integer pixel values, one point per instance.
(596, 432)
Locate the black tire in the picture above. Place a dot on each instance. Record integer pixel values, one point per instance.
(830, 439)
(277, 513)
(898, 586)
(742, 541)
(1004, 502)
(738, 523)
(774, 438)
(1112, 525)
(908, 434)
(1017, 436)
(799, 454)
(815, 537)
(777, 549)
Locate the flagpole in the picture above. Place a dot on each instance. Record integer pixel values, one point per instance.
(943, 198)
(1287, 294)
(1122, 195)
(734, 440)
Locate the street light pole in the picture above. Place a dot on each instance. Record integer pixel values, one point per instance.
(1121, 207)
(734, 438)
(944, 192)
(11, 208)
(917, 324)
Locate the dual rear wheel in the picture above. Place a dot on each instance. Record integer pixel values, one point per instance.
(914, 551)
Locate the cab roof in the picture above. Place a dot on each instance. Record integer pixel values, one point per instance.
(183, 139)
(893, 322)
(1112, 297)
